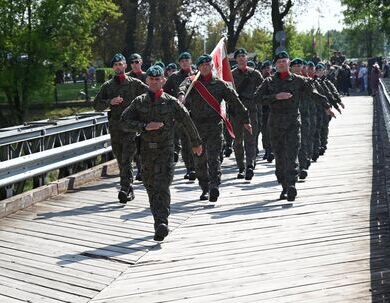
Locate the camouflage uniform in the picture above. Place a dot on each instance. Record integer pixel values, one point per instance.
(284, 124)
(157, 148)
(210, 125)
(172, 87)
(123, 144)
(140, 76)
(246, 83)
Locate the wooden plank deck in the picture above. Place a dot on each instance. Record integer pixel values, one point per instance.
(327, 246)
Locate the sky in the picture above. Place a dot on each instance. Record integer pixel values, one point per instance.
(330, 10)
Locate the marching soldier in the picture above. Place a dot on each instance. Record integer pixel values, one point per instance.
(116, 94)
(283, 92)
(204, 103)
(136, 67)
(246, 79)
(266, 71)
(154, 114)
(172, 87)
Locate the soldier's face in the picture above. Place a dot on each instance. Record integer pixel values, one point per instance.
(136, 64)
(119, 67)
(170, 72)
(282, 65)
(267, 71)
(185, 64)
(296, 69)
(311, 71)
(320, 72)
(155, 83)
(242, 60)
(205, 68)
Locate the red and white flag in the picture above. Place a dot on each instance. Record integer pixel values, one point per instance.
(221, 64)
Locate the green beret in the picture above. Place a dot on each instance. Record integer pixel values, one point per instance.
(135, 56)
(296, 61)
(320, 66)
(240, 51)
(250, 63)
(155, 71)
(202, 59)
(266, 63)
(281, 55)
(161, 64)
(118, 58)
(310, 64)
(171, 66)
(185, 55)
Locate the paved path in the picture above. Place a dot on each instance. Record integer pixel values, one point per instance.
(325, 247)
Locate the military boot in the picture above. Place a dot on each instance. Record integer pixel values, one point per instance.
(291, 193)
(214, 194)
(205, 193)
(125, 195)
(228, 151)
(241, 174)
(161, 232)
(138, 177)
(192, 175)
(303, 174)
(283, 194)
(270, 157)
(249, 173)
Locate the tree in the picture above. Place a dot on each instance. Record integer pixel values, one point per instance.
(38, 37)
(235, 14)
(278, 18)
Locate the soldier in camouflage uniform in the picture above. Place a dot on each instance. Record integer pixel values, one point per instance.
(116, 94)
(266, 71)
(154, 114)
(283, 93)
(246, 80)
(303, 155)
(209, 124)
(172, 87)
(136, 67)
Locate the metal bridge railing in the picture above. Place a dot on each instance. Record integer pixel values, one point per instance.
(36, 148)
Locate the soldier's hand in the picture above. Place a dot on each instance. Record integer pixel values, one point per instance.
(181, 98)
(198, 150)
(116, 101)
(342, 105)
(283, 96)
(248, 127)
(153, 126)
(329, 112)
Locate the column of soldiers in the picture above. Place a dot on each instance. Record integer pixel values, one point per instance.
(160, 113)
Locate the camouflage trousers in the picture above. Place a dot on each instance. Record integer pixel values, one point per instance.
(303, 155)
(186, 150)
(124, 149)
(157, 175)
(208, 165)
(312, 132)
(325, 129)
(265, 131)
(317, 135)
(285, 141)
(245, 142)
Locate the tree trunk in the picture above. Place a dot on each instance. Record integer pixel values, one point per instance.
(167, 30)
(277, 20)
(147, 54)
(183, 37)
(130, 14)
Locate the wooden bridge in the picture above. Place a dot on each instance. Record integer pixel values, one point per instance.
(330, 245)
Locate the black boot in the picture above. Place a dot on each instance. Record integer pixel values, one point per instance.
(283, 194)
(161, 232)
(138, 177)
(228, 152)
(214, 194)
(241, 174)
(125, 195)
(303, 174)
(270, 157)
(175, 157)
(249, 173)
(291, 193)
(191, 175)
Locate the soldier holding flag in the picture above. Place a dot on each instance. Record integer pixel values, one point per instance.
(204, 104)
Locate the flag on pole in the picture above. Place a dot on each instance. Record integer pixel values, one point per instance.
(221, 63)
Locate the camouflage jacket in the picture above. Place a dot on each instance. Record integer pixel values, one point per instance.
(166, 109)
(128, 90)
(201, 111)
(246, 84)
(332, 88)
(297, 85)
(174, 81)
(324, 90)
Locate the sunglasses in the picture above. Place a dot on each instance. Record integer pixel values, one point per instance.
(135, 62)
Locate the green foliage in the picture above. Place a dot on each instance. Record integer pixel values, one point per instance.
(39, 37)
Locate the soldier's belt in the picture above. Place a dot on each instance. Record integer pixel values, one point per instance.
(156, 145)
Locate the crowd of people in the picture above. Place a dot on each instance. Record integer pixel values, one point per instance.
(167, 110)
